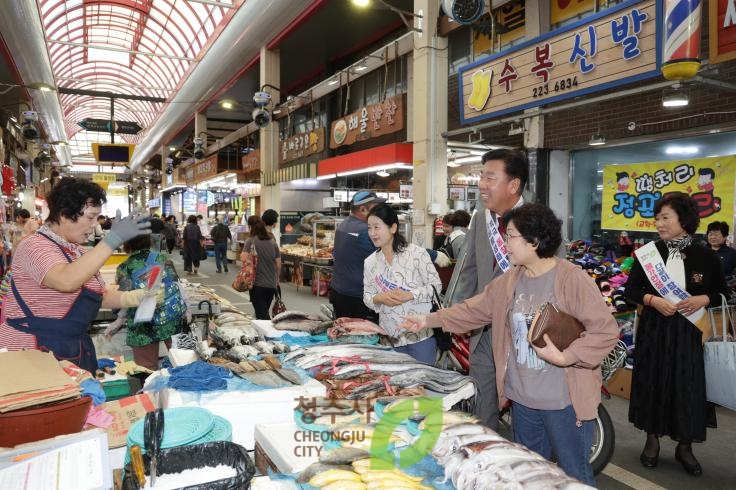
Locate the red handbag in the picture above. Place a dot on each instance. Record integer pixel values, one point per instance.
(245, 278)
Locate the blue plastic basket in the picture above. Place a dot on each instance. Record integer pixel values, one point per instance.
(182, 426)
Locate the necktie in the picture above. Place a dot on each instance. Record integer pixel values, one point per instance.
(501, 226)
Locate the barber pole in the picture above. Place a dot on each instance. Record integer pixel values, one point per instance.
(681, 56)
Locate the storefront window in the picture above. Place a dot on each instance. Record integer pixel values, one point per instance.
(587, 171)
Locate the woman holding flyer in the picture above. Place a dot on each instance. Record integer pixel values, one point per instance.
(675, 279)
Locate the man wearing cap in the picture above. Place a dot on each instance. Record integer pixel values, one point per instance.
(352, 246)
(505, 173)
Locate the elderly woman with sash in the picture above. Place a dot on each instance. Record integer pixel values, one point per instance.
(675, 279)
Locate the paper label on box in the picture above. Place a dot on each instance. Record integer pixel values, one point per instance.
(125, 413)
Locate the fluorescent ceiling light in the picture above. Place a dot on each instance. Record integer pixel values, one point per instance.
(675, 97)
(597, 140)
(469, 159)
(327, 176)
(361, 3)
(382, 173)
(333, 81)
(375, 168)
(227, 104)
(681, 150)
(360, 66)
(452, 163)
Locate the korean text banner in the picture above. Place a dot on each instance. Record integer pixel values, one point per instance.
(617, 46)
(631, 191)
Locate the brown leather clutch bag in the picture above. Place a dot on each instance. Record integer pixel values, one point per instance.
(562, 328)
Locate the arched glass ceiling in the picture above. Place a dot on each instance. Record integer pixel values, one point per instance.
(132, 47)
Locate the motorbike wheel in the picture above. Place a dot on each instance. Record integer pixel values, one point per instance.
(604, 440)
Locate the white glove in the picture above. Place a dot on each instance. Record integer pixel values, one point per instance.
(131, 299)
(113, 328)
(442, 260)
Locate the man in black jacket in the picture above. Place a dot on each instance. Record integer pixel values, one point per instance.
(220, 234)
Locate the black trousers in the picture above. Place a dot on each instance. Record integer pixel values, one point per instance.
(261, 298)
(350, 306)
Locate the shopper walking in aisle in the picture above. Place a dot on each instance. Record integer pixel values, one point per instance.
(352, 247)
(504, 176)
(157, 233)
(398, 280)
(459, 220)
(555, 394)
(24, 227)
(170, 233)
(56, 289)
(193, 241)
(268, 268)
(144, 337)
(717, 234)
(220, 235)
(668, 382)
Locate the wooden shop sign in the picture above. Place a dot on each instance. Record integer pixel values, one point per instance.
(251, 162)
(369, 122)
(202, 170)
(722, 30)
(301, 145)
(615, 47)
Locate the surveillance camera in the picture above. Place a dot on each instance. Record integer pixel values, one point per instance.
(169, 169)
(44, 157)
(261, 99)
(28, 118)
(198, 148)
(261, 117)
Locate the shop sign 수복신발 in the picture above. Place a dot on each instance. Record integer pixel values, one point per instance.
(617, 46)
(631, 191)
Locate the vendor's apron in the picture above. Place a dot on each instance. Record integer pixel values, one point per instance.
(66, 337)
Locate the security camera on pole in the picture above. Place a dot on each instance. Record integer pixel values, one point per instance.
(261, 115)
(28, 123)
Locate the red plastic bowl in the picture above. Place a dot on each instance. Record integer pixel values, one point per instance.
(35, 424)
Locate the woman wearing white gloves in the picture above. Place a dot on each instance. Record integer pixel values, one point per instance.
(56, 289)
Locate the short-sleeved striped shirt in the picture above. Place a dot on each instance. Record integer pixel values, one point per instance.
(35, 256)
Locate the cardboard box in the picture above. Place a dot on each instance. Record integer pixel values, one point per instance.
(620, 383)
(125, 412)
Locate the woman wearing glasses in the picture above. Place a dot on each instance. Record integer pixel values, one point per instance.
(555, 394)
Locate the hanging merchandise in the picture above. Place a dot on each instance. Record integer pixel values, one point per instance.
(8, 183)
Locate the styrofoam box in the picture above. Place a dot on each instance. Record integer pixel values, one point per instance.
(243, 409)
(279, 442)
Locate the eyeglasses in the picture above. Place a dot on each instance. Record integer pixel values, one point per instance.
(507, 236)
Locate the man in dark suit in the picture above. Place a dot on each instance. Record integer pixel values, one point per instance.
(505, 174)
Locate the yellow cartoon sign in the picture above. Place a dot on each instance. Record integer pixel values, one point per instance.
(481, 89)
(631, 191)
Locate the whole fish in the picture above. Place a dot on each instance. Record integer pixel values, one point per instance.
(343, 455)
(315, 468)
(321, 479)
(312, 327)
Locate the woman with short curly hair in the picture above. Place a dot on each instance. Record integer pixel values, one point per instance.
(55, 288)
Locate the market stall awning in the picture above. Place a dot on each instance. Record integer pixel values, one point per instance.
(394, 155)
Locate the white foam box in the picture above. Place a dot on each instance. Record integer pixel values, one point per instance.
(243, 409)
(285, 448)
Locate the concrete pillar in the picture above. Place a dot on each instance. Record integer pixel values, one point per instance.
(269, 136)
(427, 120)
(200, 125)
(536, 23)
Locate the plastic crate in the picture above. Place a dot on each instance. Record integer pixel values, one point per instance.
(114, 390)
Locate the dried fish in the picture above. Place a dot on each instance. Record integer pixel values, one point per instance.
(315, 468)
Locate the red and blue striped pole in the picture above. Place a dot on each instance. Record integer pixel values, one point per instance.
(681, 56)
